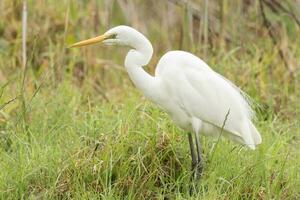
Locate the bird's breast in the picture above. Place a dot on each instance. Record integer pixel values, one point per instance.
(177, 114)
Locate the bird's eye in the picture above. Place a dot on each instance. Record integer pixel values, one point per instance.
(113, 36)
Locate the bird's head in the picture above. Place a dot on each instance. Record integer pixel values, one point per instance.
(141, 52)
(119, 35)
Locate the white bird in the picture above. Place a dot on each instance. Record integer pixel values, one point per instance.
(197, 98)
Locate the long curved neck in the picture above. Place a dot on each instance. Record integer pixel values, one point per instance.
(136, 58)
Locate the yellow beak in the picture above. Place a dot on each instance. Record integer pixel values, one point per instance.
(91, 41)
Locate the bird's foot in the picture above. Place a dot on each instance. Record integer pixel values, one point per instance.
(197, 169)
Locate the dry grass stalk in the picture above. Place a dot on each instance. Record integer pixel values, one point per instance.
(24, 32)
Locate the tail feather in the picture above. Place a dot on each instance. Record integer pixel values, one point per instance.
(251, 136)
(255, 134)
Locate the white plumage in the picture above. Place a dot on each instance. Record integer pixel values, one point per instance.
(196, 96)
(198, 99)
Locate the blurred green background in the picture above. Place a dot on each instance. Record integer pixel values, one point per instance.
(72, 126)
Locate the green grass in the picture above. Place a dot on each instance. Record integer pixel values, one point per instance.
(73, 147)
(82, 131)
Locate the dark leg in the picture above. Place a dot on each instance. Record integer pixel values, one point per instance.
(193, 154)
(194, 162)
(199, 159)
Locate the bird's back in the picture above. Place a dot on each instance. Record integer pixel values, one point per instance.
(190, 85)
(185, 59)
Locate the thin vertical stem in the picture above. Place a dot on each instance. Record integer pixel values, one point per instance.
(67, 20)
(24, 48)
(24, 67)
(205, 26)
(24, 32)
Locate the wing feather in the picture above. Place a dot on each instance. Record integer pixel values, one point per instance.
(207, 95)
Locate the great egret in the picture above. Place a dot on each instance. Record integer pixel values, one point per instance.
(197, 98)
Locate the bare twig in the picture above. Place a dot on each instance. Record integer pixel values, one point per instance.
(8, 102)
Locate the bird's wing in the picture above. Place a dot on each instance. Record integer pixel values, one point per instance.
(204, 94)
